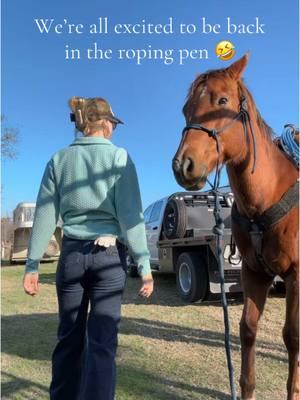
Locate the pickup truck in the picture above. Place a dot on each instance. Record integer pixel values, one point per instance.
(181, 241)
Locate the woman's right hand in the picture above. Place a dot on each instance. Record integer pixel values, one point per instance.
(147, 286)
(31, 283)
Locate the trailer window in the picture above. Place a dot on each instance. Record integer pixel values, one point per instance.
(156, 211)
(29, 214)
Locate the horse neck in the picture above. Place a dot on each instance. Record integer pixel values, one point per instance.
(273, 174)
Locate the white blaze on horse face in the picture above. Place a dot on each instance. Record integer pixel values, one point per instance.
(195, 104)
(203, 92)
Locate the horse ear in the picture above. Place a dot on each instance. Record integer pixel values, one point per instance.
(236, 69)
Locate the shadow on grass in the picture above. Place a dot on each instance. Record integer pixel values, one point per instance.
(170, 332)
(48, 279)
(31, 336)
(141, 384)
(12, 385)
(20, 334)
(131, 381)
(6, 263)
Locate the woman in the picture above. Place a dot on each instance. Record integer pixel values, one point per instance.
(93, 186)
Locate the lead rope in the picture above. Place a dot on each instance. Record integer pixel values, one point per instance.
(218, 230)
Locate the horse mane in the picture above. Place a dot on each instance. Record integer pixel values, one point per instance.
(199, 84)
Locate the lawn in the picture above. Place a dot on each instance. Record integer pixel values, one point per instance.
(168, 350)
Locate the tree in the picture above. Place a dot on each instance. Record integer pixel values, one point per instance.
(9, 140)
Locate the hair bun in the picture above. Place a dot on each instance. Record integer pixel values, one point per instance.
(76, 103)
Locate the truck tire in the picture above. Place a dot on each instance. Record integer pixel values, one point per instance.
(174, 222)
(132, 270)
(191, 277)
(279, 287)
(127, 261)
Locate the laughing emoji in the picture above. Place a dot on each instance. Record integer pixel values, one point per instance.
(225, 50)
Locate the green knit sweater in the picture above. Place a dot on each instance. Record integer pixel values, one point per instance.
(93, 186)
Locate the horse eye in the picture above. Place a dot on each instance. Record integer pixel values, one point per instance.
(222, 100)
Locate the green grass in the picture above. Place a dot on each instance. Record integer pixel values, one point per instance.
(168, 350)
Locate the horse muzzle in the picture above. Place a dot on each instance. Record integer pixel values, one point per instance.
(188, 175)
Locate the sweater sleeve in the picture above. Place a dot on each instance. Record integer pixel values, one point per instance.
(45, 219)
(129, 211)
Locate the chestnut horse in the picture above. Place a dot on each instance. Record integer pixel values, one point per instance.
(225, 127)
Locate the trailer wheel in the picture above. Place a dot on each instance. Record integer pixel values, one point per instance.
(191, 277)
(174, 222)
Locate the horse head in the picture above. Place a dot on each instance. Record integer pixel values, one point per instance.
(213, 105)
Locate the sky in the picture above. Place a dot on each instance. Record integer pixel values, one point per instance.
(38, 80)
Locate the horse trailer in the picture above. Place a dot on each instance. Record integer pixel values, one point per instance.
(23, 219)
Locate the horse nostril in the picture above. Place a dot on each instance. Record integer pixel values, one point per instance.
(176, 165)
(188, 166)
(191, 165)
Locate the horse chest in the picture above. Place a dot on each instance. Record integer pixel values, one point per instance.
(270, 252)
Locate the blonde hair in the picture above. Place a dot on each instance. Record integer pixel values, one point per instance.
(88, 114)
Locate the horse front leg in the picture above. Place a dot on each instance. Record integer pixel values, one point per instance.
(291, 333)
(255, 287)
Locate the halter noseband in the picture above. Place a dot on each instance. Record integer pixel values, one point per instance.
(214, 133)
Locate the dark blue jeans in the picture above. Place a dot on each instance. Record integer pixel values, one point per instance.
(83, 362)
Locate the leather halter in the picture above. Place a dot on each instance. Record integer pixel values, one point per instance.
(243, 115)
(270, 217)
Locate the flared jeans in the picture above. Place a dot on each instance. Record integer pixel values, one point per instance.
(90, 282)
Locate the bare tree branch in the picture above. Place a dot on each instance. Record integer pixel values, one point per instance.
(9, 140)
